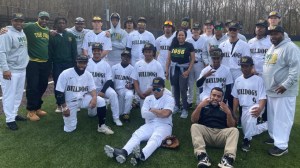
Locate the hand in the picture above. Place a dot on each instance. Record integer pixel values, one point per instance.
(101, 94)
(185, 74)
(255, 112)
(53, 32)
(128, 86)
(93, 103)
(224, 108)
(281, 89)
(141, 95)
(205, 102)
(107, 34)
(66, 113)
(7, 75)
(3, 30)
(209, 73)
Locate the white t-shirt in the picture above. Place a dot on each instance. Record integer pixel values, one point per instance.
(121, 75)
(90, 38)
(101, 72)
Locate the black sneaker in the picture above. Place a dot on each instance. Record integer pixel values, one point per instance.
(226, 161)
(246, 145)
(12, 125)
(204, 160)
(125, 117)
(269, 141)
(20, 118)
(275, 151)
(119, 154)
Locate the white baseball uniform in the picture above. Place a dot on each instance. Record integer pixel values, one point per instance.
(136, 42)
(121, 77)
(201, 59)
(240, 36)
(220, 78)
(79, 36)
(249, 92)
(162, 46)
(232, 56)
(76, 89)
(13, 58)
(91, 37)
(258, 49)
(101, 72)
(156, 129)
(145, 72)
(214, 42)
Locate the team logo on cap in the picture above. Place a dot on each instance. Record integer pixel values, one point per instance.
(156, 81)
(97, 18)
(244, 59)
(273, 13)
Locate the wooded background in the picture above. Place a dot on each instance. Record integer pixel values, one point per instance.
(157, 11)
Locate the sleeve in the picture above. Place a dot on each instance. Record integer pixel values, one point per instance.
(129, 41)
(146, 114)
(234, 91)
(157, 45)
(85, 45)
(108, 74)
(134, 74)
(161, 72)
(169, 104)
(61, 83)
(92, 85)
(261, 90)
(5, 46)
(107, 44)
(152, 39)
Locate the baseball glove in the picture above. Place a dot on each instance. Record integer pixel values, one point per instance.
(170, 142)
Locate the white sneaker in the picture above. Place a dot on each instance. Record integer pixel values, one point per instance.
(105, 129)
(184, 114)
(58, 110)
(118, 122)
(175, 110)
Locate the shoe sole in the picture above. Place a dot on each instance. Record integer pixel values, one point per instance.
(280, 154)
(109, 151)
(136, 152)
(120, 159)
(133, 161)
(204, 165)
(245, 150)
(105, 132)
(223, 166)
(183, 116)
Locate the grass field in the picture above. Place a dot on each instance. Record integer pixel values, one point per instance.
(44, 144)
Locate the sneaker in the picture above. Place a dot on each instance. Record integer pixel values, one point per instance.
(12, 126)
(269, 141)
(118, 122)
(58, 110)
(137, 155)
(246, 145)
(176, 109)
(20, 118)
(226, 161)
(41, 113)
(275, 151)
(204, 160)
(31, 115)
(184, 114)
(105, 129)
(78, 109)
(125, 117)
(119, 154)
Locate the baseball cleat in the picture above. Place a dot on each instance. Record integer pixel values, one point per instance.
(109, 151)
(275, 151)
(184, 114)
(118, 122)
(137, 155)
(105, 129)
(204, 161)
(269, 141)
(246, 145)
(226, 161)
(120, 154)
(134, 161)
(176, 109)
(12, 126)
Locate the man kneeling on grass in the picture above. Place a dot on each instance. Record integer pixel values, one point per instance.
(214, 124)
(157, 111)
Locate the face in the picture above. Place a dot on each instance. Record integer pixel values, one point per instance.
(97, 25)
(148, 55)
(233, 32)
(157, 91)
(125, 59)
(196, 32)
(61, 25)
(181, 37)
(141, 26)
(17, 24)
(114, 21)
(208, 28)
(97, 54)
(215, 97)
(216, 61)
(274, 20)
(79, 26)
(219, 31)
(43, 21)
(276, 37)
(246, 69)
(260, 30)
(129, 25)
(168, 29)
(81, 65)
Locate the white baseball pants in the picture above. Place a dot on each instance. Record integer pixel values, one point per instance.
(125, 100)
(193, 76)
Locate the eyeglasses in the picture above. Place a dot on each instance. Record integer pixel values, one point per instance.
(157, 89)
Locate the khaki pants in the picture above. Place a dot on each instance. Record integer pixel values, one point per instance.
(202, 136)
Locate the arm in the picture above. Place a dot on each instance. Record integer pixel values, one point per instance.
(257, 110)
(227, 93)
(164, 113)
(106, 85)
(195, 117)
(93, 102)
(231, 122)
(168, 62)
(5, 46)
(146, 113)
(235, 105)
(192, 60)
(137, 89)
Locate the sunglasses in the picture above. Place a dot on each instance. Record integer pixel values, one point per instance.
(157, 89)
(168, 23)
(142, 24)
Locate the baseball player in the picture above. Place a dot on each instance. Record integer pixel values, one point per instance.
(259, 45)
(240, 36)
(163, 43)
(201, 61)
(75, 90)
(145, 71)
(215, 75)
(249, 92)
(274, 19)
(208, 29)
(13, 61)
(137, 39)
(123, 84)
(96, 36)
(102, 75)
(79, 31)
(185, 25)
(233, 50)
(157, 112)
(129, 24)
(118, 39)
(218, 36)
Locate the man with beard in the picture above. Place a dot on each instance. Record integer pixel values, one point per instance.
(281, 77)
(214, 125)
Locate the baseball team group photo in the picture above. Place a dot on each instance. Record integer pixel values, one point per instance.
(120, 89)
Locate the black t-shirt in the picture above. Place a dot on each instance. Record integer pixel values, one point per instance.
(181, 54)
(213, 117)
